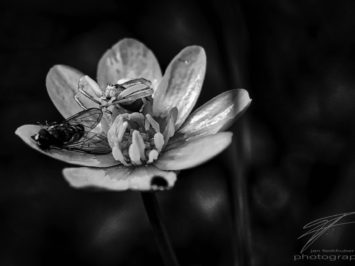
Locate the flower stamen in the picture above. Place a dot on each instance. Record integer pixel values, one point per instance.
(153, 155)
(134, 153)
(158, 141)
(153, 123)
(136, 139)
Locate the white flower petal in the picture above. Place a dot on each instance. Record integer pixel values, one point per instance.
(120, 178)
(181, 84)
(128, 59)
(214, 116)
(62, 84)
(26, 131)
(195, 152)
(170, 128)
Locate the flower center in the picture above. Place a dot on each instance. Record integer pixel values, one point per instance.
(138, 139)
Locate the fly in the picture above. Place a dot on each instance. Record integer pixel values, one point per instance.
(74, 133)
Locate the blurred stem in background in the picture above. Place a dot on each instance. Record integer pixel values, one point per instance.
(154, 215)
(239, 198)
(232, 40)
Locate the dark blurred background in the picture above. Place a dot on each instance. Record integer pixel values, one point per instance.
(294, 146)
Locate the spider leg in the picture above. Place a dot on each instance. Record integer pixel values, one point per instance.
(76, 98)
(89, 96)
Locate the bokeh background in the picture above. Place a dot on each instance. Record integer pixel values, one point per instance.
(294, 147)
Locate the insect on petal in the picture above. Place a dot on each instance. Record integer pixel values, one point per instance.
(80, 158)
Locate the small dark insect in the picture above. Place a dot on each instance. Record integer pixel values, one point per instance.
(75, 134)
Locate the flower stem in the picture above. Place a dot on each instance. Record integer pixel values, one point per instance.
(232, 36)
(240, 208)
(153, 212)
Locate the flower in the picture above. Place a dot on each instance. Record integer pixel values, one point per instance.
(148, 147)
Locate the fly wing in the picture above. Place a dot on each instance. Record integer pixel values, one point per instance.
(89, 119)
(91, 143)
